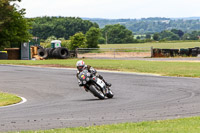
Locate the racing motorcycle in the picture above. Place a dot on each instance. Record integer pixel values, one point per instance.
(95, 85)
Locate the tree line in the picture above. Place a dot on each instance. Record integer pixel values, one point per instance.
(152, 25)
(15, 29)
(13, 26)
(170, 35)
(66, 27)
(60, 27)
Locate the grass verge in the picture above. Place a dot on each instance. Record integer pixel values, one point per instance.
(184, 125)
(168, 45)
(180, 69)
(8, 99)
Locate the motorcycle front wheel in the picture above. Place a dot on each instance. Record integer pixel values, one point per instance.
(96, 92)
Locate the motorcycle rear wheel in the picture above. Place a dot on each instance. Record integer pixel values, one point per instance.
(96, 92)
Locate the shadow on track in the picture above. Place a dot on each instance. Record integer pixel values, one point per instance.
(91, 100)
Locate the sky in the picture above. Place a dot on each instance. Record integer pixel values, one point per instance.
(112, 9)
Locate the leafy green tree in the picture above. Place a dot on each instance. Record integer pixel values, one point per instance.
(138, 37)
(174, 37)
(60, 27)
(49, 39)
(13, 26)
(47, 42)
(148, 36)
(168, 35)
(102, 40)
(117, 34)
(180, 33)
(165, 34)
(186, 36)
(77, 41)
(156, 37)
(92, 37)
(194, 35)
(66, 43)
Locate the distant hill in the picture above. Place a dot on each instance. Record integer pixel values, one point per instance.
(152, 25)
(188, 18)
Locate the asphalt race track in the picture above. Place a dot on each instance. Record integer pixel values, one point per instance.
(54, 99)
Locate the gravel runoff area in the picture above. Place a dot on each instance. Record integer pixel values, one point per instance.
(54, 99)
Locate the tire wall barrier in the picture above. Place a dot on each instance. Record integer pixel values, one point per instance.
(54, 53)
(194, 52)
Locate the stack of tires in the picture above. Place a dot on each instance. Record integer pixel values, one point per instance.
(166, 52)
(56, 53)
(184, 52)
(195, 51)
(174, 52)
(157, 53)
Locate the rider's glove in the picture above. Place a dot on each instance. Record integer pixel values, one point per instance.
(88, 74)
(93, 71)
(80, 83)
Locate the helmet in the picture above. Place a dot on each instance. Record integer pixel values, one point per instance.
(80, 65)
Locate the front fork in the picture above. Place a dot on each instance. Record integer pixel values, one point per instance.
(86, 87)
(104, 90)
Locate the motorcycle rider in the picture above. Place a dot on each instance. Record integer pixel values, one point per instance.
(81, 66)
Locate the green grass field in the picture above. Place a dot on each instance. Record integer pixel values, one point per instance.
(8, 99)
(184, 125)
(167, 45)
(179, 69)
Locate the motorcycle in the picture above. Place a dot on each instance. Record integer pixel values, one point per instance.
(95, 85)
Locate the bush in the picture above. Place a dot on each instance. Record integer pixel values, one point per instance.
(102, 40)
(77, 41)
(66, 43)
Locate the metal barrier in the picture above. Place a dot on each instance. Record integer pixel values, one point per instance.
(129, 52)
(193, 52)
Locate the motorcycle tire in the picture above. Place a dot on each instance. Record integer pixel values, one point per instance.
(110, 94)
(96, 92)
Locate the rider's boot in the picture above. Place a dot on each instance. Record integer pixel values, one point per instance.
(108, 84)
(86, 89)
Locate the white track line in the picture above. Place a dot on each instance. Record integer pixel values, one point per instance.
(23, 101)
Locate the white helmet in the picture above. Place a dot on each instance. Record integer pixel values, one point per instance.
(80, 65)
